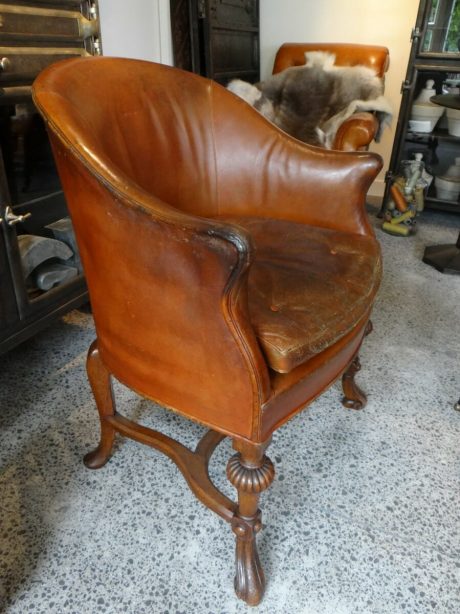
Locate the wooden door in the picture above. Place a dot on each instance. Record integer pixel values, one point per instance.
(217, 38)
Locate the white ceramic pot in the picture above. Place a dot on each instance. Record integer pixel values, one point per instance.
(426, 112)
(453, 113)
(453, 122)
(447, 188)
(427, 92)
(454, 170)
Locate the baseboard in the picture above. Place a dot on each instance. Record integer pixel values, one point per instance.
(373, 202)
(377, 188)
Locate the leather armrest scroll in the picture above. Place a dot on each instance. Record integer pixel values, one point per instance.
(356, 133)
(277, 176)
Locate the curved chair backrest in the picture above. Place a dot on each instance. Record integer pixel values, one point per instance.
(137, 126)
(347, 54)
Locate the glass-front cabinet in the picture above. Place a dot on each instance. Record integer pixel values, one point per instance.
(441, 33)
(426, 128)
(40, 271)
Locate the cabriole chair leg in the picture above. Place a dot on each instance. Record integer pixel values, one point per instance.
(354, 397)
(100, 380)
(250, 472)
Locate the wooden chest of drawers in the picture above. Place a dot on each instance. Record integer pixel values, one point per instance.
(34, 34)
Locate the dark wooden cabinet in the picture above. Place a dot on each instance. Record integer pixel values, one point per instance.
(32, 36)
(217, 38)
(434, 55)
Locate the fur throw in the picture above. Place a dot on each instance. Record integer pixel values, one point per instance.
(310, 102)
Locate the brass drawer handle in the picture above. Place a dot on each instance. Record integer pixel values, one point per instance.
(11, 219)
(4, 64)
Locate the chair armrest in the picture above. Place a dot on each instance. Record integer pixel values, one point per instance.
(357, 132)
(262, 171)
(325, 188)
(321, 187)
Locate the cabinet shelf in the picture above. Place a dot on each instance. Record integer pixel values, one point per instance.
(431, 202)
(440, 134)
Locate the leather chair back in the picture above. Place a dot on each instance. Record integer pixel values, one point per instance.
(347, 54)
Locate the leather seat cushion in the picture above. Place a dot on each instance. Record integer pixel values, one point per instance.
(308, 287)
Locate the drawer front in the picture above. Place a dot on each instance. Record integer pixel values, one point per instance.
(22, 64)
(44, 24)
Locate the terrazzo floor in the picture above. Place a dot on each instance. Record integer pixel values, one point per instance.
(362, 518)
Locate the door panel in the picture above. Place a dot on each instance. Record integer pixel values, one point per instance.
(234, 13)
(235, 54)
(217, 38)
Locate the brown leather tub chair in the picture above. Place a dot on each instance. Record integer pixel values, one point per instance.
(231, 269)
(357, 132)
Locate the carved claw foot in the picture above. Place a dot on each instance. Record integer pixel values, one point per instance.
(250, 477)
(354, 397)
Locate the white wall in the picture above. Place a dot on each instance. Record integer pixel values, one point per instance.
(379, 22)
(136, 29)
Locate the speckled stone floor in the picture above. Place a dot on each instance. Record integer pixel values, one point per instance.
(362, 518)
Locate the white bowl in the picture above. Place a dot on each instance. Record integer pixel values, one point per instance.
(452, 82)
(418, 125)
(447, 188)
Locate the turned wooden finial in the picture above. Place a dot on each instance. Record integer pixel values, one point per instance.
(250, 479)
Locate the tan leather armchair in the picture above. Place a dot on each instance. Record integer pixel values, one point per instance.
(231, 269)
(357, 132)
